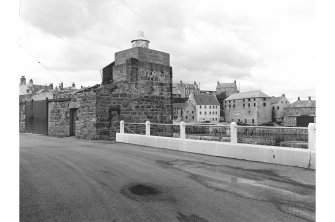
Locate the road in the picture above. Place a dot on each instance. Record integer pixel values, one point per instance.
(66, 179)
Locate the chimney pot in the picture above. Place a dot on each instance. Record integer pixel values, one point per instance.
(283, 95)
(309, 98)
(299, 98)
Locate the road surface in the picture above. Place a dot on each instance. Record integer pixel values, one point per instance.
(66, 179)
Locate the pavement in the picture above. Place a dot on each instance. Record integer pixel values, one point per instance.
(67, 179)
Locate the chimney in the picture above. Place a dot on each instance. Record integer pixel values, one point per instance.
(81, 87)
(235, 82)
(61, 85)
(309, 98)
(181, 82)
(73, 85)
(23, 80)
(31, 83)
(218, 83)
(299, 98)
(282, 95)
(51, 86)
(195, 83)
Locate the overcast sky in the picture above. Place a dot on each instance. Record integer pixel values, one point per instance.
(266, 45)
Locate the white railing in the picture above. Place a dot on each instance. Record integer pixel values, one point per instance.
(233, 130)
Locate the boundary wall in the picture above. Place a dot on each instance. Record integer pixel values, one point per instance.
(268, 154)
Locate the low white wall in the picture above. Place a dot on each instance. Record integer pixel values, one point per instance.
(268, 154)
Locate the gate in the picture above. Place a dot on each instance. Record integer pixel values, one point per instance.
(37, 117)
(303, 121)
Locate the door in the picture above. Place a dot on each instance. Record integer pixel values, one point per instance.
(40, 117)
(73, 119)
(303, 121)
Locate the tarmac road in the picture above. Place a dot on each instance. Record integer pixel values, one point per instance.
(66, 179)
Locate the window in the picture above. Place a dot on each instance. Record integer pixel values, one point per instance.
(243, 105)
(249, 100)
(187, 111)
(225, 106)
(205, 112)
(186, 117)
(234, 101)
(200, 112)
(238, 120)
(281, 101)
(192, 117)
(200, 106)
(210, 107)
(286, 101)
(254, 99)
(264, 104)
(245, 120)
(229, 106)
(277, 107)
(210, 112)
(253, 121)
(232, 120)
(264, 99)
(248, 104)
(192, 111)
(243, 100)
(254, 104)
(205, 107)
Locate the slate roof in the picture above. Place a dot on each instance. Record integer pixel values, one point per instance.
(245, 95)
(178, 105)
(226, 85)
(303, 103)
(275, 100)
(206, 99)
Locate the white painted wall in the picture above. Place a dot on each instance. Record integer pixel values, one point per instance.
(208, 116)
(268, 154)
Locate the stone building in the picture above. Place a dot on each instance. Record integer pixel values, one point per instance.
(278, 105)
(178, 111)
(227, 88)
(252, 108)
(136, 87)
(300, 113)
(183, 90)
(207, 107)
(189, 112)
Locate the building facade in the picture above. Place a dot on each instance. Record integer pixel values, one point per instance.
(300, 113)
(251, 108)
(227, 88)
(278, 106)
(207, 107)
(183, 90)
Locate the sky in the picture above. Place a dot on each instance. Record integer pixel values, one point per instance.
(262, 44)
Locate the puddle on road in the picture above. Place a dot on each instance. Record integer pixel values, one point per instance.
(289, 196)
(147, 192)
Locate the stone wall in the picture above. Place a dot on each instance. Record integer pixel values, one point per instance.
(86, 113)
(290, 121)
(59, 119)
(22, 117)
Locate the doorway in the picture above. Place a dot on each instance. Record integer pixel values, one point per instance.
(73, 119)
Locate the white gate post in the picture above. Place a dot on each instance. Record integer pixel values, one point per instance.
(122, 127)
(147, 128)
(233, 132)
(311, 136)
(182, 130)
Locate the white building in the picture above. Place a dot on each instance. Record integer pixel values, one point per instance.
(207, 107)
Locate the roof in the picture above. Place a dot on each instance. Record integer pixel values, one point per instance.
(303, 103)
(175, 91)
(206, 99)
(178, 105)
(228, 85)
(275, 100)
(245, 95)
